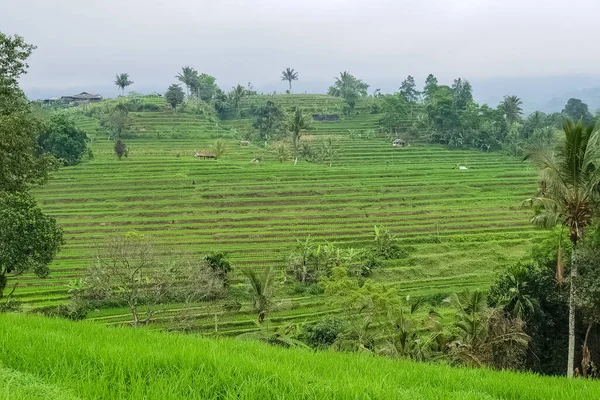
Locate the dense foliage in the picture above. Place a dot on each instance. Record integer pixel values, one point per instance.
(61, 138)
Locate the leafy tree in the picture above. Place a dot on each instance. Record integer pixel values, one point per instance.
(395, 112)
(442, 113)
(261, 287)
(21, 164)
(511, 108)
(205, 87)
(63, 139)
(297, 123)
(269, 120)
(289, 75)
(189, 77)
(174, 96)
(431, 86)
(120, 149)
(218, 149)
(408, 89)
(569, 178)
(122, 81)
(348, 87)
(117, 122)
(462, 93)
(29, 239)
(576, 109)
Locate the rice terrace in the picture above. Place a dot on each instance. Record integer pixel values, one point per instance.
(461, 225)
(337, 230)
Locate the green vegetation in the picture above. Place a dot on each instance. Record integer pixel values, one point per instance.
(90, 361)
(205, 222)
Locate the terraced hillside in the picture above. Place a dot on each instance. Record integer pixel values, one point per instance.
(459, 225)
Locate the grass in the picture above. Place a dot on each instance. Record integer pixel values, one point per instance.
(462, 226)
(46, 357)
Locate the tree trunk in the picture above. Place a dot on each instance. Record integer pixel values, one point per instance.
(3, 281)
(571, 354)
(290, 87)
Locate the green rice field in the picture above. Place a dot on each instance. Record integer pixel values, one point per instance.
(460, 226)
(55, 359)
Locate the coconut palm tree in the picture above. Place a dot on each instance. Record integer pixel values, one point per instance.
(235, 96)
(511, 107)
(289, 75)
(122, 81)
(567, 195)
(296, 125)
(261, 289)
(189, 77)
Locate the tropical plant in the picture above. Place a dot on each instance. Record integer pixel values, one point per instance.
(567, 194)
(218, 148)
(517, 301)
(189, 77)
(296, 125)
(511, 108)
(122, 81)
(260, 286)
(282, 152)
(330, 150)
(289, 75)
(348, 87)
(236, 95)
(218, 263)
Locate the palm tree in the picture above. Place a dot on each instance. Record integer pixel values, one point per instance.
(282, 152)
(511, 108)
(569, 179)
(296, 125)
(289, 75)
(516, 301)
(261, 289)
(236, 95)
(218, 149)
(189, 77)
(122, 81)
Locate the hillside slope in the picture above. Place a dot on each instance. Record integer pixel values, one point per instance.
(95, 362)
(460, 226)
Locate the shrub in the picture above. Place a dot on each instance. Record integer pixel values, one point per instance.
(324, 333)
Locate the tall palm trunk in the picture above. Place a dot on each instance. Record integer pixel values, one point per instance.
(571, 354)
(290, 81)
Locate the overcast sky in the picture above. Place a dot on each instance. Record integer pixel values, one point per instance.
(84, 43)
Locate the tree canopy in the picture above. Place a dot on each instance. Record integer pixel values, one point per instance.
(174, 96)
(61, 138)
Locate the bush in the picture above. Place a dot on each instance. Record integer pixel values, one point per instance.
(324, 333)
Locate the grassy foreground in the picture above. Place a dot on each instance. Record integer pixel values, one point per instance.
(59, 359)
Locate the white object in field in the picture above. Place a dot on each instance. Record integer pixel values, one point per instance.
(462, 167)
(296, 160)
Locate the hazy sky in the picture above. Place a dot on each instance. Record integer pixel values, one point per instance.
(83, 43)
